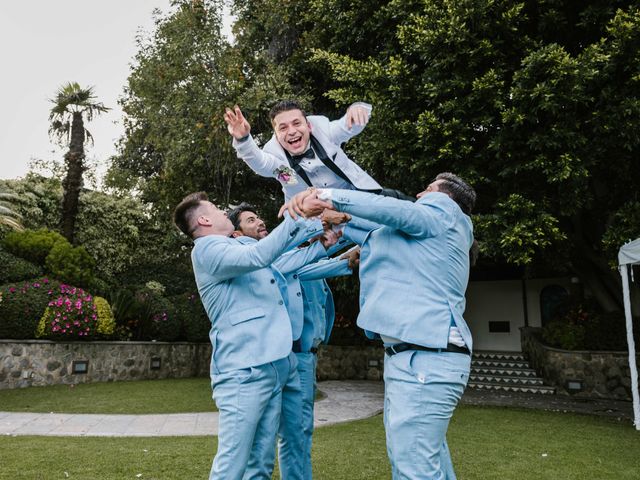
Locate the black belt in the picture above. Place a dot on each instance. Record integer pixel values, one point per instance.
(403, 347)
(296, 347)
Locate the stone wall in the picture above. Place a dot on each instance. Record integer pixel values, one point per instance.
(602, 374)
(350, 363)
(26, 363)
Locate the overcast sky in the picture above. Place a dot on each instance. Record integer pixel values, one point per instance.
(45, 44)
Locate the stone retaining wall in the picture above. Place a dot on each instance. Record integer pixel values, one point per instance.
(26, 363)
(602, 374)
(350, 363)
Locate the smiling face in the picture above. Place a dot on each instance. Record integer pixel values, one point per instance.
(252, 226)
(292, 131)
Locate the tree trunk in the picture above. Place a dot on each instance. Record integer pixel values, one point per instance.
(72, 184)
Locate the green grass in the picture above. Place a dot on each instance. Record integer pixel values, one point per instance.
(486, 443)
(140, 397)
(181, 395)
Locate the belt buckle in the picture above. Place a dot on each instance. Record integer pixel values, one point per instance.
(393, 349)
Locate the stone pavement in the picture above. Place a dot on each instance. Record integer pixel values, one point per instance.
(344, 401)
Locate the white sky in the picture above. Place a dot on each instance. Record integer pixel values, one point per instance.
(46, 43)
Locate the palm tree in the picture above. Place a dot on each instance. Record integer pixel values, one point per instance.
(67, 126)
(8, 216)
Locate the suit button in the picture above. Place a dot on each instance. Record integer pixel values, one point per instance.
(295, 275)
(280, 302)
(273, 280)
(298, 294)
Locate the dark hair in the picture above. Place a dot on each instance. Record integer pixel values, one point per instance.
(234, 215)
(460, 191)
(184, 212)
(285, 106)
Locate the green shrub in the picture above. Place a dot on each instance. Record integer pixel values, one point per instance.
(608, 331)
(162, 323)
(16, 269)
(192, 317)
(147, 315)
(561, 334)
(177, 277)
(69, 264)
(70, 315)
(106, 322)
(22, 306)
(33, 245)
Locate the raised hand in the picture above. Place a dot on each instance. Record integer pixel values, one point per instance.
(236, 123)
(357, 115)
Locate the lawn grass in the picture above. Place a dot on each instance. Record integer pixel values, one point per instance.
(181, 395)
(486, 443)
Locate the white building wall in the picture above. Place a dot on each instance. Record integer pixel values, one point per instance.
(502, 301)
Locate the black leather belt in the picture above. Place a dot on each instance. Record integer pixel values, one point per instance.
(403, 347)
(296, 347)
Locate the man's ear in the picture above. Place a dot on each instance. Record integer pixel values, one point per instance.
(236, 234)
(309, 125)
(204, 221)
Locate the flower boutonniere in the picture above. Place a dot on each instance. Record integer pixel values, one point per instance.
(286, 175)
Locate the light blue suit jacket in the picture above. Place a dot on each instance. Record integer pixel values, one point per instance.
(243, 297)
(330, 134)
(414, 269)
(319, 311)
(289, 265)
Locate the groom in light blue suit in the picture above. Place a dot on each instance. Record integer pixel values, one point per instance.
(414, 269)
(245, 299)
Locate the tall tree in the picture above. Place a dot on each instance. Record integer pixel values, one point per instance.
(536, 103)
(176, 141)
(71, 105)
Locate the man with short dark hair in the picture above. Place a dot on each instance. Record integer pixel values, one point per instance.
(304, 151)
(245, 298)
(414, 272)
(311, 312)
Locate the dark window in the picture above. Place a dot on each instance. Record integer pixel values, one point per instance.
(499, 327)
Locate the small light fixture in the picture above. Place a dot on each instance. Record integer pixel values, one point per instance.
(80, 366)
(574, 385)
(156, 363)
(373, 363)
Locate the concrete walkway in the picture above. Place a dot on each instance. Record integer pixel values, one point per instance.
(345, 401)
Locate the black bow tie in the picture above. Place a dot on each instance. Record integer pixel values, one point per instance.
(308, 154)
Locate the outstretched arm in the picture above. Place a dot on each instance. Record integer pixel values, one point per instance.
(351, 124)
(224, 260)
(236, 123)
(261, 163)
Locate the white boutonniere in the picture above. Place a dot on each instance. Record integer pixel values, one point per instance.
(286, 175)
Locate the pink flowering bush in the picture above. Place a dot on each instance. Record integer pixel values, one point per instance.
(70, 315)
(22, 306)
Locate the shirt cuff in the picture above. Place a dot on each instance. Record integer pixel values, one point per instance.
(325, 194)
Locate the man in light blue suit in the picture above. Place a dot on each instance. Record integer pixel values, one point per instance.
(414, 269)
(311, 311)
(245, 299)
